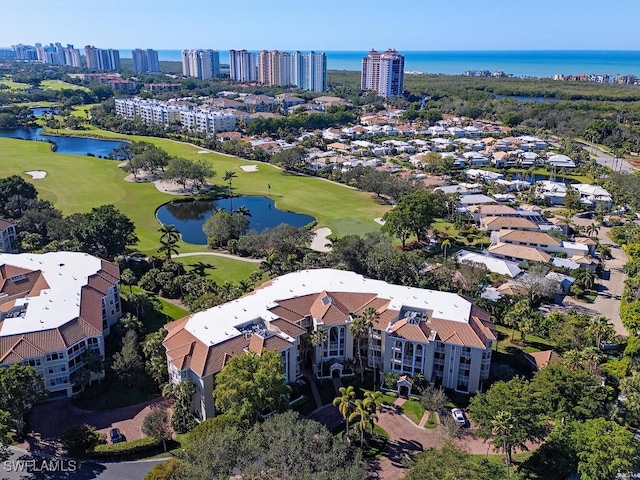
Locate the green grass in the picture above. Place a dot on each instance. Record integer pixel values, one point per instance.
(432, 421)
(109, 394)
(414, 410)
(77, 183)
(57, 85)
(6, 80)
(220, 269)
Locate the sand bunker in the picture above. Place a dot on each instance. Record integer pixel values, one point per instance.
(204, 151)
(249, 168)
(37, 174)
(379, 220)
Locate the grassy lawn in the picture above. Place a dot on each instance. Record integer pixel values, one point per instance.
(58, 85)
(76, 184)
(220, 269)
(155, 320)
(414, 410)
(6, 80)
(111, 393)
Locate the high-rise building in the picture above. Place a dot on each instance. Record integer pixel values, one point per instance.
(274, 68)
(26, 52)
(383, 72)
(242, 66)
(316, 72)
(307, 71)
(102, 59)
(200, 63)
(145, 61)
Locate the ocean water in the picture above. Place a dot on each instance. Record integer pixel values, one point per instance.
(540, 64)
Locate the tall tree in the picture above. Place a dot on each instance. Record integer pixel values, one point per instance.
(319, 338)
(450, 462)
(359, 332)
(517, 398)
(20, 387)
(250, 385)
(128, 360)
(344, 402)
(229, 175)
(156, 425)
(605, 449)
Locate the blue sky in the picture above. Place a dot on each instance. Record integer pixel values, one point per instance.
(327, 25)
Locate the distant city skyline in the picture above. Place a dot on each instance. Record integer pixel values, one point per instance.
(332, 26)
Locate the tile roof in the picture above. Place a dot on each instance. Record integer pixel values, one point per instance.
(538, 237)
(520, 252)
(500, 222)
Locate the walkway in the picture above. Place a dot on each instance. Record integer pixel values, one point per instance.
(308, 374)
(337, 385)
(224, 255)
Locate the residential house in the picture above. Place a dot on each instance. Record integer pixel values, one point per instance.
(440, 335)
(494, 265)
(535, 239)
(593, 195)
(492, 211)
(54, 307)
(560, 161)
(518, 253)
(498, 223)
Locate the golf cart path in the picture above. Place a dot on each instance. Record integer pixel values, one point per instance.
(217, 254)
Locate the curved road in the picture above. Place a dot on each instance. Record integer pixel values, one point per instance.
(224, 255)
(23, 465)
(603, 158)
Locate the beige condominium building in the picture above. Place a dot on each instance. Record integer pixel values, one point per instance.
(54, 307)
(440, 335)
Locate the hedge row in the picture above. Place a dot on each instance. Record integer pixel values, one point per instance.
(122, 449)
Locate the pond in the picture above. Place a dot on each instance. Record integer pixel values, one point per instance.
(71, 145)
(189, 217)
(40, 111)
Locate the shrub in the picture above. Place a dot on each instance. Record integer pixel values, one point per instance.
(165, 470)
(125, 449)
(80, 440)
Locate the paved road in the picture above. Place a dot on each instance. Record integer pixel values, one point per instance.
(225, 255)
(607, 302)
(22, 465)
(617, 164)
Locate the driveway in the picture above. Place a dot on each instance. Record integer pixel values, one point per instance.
(610, 289)
(406, 439)
(48, 420)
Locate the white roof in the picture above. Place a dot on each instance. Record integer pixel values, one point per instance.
(66, 273)
(224, 321)
(561, 161)
(495, 265)
(485, 174)
(591, 190)
(476, 199)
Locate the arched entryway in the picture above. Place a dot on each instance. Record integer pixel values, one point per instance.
(404, 386)
(335, 368)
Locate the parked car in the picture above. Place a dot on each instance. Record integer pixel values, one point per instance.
(458, 416)
(116, 436)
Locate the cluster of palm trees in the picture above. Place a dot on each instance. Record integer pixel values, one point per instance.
(362, 411)
(361, 329)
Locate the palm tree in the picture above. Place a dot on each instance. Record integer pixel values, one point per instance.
(592, 230)
(369, 316)
(320, 336)
(446, 243)
(573, 359)
(244, 211)
(600, 327)
(359, 333)
(501, 426)
(362, 412)
(229, 175)
(372, 402)
(169, 233)
(169, 236)
(128, 278)
(343, 402)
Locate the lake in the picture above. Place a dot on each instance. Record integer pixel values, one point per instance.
(40, 111)
(540, 178)
(71, 145)
(189, 217)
